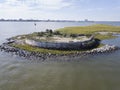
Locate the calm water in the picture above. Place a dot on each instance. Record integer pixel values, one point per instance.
(99, 72)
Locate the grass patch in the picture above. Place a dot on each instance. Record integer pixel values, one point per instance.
(91, 30)
(101, 45)
(103, 37)
(42, 50)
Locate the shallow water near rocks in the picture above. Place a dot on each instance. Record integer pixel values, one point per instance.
(92, 72)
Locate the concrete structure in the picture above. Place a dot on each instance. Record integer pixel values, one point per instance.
(62, 45)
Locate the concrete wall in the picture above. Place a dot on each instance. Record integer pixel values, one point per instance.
(62, 45)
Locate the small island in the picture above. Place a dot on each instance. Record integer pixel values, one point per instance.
(68, 41)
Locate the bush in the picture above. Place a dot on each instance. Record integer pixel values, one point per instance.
(40, 34)
(57, 33)
(49, 31)
(73, 35)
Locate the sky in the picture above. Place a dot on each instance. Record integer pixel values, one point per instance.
(97, 10)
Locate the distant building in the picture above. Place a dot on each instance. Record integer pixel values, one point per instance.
(20, 19)
(86, 20)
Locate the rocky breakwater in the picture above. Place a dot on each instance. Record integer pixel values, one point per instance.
(23, 53)
(43, 56)
(103, 49)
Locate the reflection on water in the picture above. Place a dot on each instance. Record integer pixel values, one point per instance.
(93, 72)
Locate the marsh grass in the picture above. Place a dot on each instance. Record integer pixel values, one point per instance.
(103, 37)
(92, 30)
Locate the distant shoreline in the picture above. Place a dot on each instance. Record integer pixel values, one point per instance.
(42, 21)
(38, 20)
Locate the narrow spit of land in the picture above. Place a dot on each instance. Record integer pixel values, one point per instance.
(100, 32)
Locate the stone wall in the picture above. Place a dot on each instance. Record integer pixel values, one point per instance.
(62, 45)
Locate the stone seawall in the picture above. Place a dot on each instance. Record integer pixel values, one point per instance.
(43, 56)
(62, 45)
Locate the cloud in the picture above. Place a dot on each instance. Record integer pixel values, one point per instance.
(53, 4)
(31, 8)
(59, 9)
(94, 9)
(36, 4)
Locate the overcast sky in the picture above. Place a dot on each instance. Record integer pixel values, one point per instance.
(100, 10)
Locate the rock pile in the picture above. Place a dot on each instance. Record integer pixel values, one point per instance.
(106, 48)
(42, 56)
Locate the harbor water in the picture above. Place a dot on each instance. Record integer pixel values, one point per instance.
(91, 72)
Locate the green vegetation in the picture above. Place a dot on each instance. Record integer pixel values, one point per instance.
(91, 30)
(103, 37)
(42, 50)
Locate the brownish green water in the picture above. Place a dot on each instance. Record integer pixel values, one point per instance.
(93, 72)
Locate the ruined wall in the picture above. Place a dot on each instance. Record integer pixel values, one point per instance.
(62, 45)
